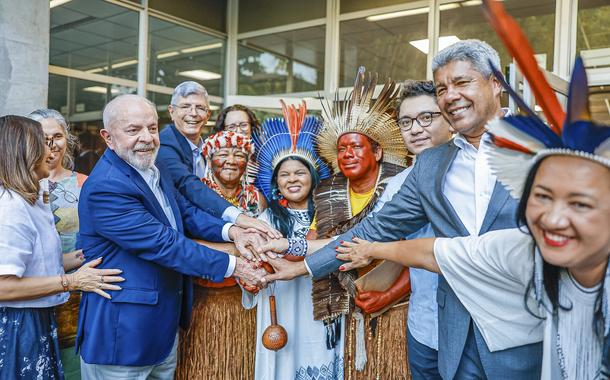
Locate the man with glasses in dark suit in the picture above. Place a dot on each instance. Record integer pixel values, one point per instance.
(180, 151)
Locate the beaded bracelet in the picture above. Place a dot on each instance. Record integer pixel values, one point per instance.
(297, 247)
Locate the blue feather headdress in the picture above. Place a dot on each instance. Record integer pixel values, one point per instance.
(521, 141)
(278, 138)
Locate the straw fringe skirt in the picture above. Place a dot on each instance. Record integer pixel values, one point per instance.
(386, 351)
(221, 340)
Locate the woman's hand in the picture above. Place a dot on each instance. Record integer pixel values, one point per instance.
(73, 260)
(271, 248)
(358, 253)
(89, 279)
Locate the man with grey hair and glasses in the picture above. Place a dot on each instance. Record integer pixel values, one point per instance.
(452, 188)
(131, 215)
(180, 151)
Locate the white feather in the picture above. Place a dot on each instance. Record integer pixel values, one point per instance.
(511, 168)
(501, 128)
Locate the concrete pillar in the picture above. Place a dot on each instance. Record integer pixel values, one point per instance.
(24, 55)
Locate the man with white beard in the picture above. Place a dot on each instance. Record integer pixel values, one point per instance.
(131, 215)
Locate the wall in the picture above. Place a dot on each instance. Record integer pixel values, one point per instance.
(24, 55)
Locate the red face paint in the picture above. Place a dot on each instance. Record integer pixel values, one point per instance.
(356, 157)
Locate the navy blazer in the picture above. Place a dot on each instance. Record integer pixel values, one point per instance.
(176, 154)
(419, 201)
(122, 221)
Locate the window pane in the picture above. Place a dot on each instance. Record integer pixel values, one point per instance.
(82, 103)
(261, 14)
(95, 36)
(360, 5)
(282, 63)
(178, 54)
(593, 38)
(465, 20)
(383, 46)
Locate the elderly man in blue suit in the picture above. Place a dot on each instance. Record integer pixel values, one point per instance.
(452, 188)
(180, 151)
(131, 215)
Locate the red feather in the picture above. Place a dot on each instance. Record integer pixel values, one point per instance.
(294, 119)
(519, 47)
(504, 143)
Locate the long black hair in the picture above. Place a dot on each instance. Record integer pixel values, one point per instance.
(550, 273)
(279, 216)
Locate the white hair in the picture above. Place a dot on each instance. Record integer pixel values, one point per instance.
(47, 113)
(479, 53)
(187, 88)
(110, 111)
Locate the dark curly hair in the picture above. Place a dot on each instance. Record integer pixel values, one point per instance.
(412, 88)
(220, 121)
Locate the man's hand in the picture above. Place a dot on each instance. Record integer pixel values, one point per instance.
(247, 242)
(285, 270)
(246, 222)
(249, 273)
(372, 301)
(357, 253)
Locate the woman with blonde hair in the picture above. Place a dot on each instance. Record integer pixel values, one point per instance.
(32, 269)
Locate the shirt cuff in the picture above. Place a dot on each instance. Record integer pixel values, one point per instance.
(230, 214)
(231, 267)
(439, 248)
(307, 267)
(225, 231)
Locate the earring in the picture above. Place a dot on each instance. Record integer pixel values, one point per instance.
(277, 195)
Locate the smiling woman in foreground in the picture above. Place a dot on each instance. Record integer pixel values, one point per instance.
(552, 274)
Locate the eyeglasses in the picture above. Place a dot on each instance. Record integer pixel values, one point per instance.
(243, 127)
(58, 189)
(201, 110)
(50, 141)
(424, 119)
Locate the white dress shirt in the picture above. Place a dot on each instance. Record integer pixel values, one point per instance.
(198, 161)
(151, 176)
(469, 182)
(30, 245)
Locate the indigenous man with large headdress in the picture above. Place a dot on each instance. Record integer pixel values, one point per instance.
(362, 143)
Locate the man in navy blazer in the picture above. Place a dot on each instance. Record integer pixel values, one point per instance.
(180, 151)
(452, 188)
(131, 215)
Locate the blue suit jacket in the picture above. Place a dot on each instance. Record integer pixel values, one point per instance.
(176, 154)
(122, 221)
(419, 201)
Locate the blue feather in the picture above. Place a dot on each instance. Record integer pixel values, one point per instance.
(585, 136)
(274, 138)
(512, 93)
(534, 127)
(578, 95)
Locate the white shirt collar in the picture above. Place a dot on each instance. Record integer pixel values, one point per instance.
(150, 175)
(461, 142)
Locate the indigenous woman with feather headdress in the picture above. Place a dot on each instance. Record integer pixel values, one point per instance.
(288, 172)
(227, 155)
(551, 276)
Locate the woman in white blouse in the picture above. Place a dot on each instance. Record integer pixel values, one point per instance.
(32, 269)
(547, 278)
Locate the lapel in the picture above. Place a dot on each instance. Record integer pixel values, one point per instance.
(137, 179)
(184, 145)
(441, 173)
(496, 204)
(169, 194)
